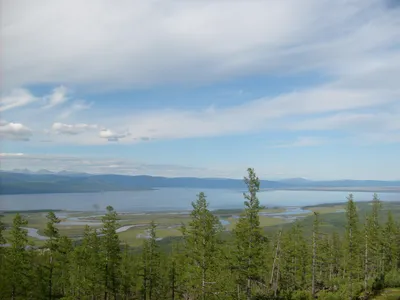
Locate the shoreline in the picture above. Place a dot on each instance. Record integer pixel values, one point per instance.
(372, 189)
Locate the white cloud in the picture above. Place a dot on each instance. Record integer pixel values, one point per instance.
(72, 129)
(10, 154)
(112, 136)
(15, 131)
(57, 97)
(340, 108)
(331, 106)
(142, 43)
(354, 45)
(16, 98)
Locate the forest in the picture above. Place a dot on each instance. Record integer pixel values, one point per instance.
(356, 263)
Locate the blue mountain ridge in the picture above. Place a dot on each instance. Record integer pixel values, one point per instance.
(69, 182)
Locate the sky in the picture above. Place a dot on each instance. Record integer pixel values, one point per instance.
(203, 88)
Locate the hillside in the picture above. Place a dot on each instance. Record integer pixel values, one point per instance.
(19, 183)
(67, 182)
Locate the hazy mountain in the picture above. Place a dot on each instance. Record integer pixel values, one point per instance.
(69, 182)
(23, 171)
(18, 183)
(44, 171)
(295, 181)
(71, 173)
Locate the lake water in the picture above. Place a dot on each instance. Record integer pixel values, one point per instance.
(173, 199)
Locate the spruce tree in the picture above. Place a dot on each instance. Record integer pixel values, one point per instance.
(52, 245)
(203, 246)
(315, 253)
(336, 254)
(375, 238)
(87, 267)
(18, 260)
(128, 274)
(249, 238)
(63, 263)
(391, 244)
(151, 266)
(352, 245)
(3, 250)
(111, 254)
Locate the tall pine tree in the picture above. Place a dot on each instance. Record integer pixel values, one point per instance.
(151, 266)
(203, 246)
(18, 260)
(52, 245)
(111, 254)
(352, 246)
(249, 238)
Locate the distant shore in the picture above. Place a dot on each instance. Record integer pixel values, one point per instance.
(380, 189)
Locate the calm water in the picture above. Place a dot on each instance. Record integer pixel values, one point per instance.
(170, 199)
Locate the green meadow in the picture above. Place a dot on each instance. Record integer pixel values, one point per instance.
(168, 224)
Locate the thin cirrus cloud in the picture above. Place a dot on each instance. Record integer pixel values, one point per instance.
(57, 97)
(302, 141)
(77, 106)
(296, 111)
(145, 44)
(353, 47)
(269, 113)
(20, 97)
(16, 98)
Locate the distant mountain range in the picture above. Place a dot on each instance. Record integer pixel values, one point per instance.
(44, 181)
(44, 172)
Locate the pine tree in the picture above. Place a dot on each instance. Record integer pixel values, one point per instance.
(249, 239)
(18, 260)
(63, 262)
(277, 266)
(391, 244)
(202, 238)
(367, 246)
(294, 260)
(151, 266)
(3, 250)
(128, 274)
(315, 253)
(86, 268)
(336, 256)
(111, 253)
(352, 243)
(52, 245)
(375, 233)
(2, 230)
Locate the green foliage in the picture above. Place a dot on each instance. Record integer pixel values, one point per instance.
(110, 254)
(203, 250)
(303, 260)
(325, 295)
(249, 238)
(3, 273)
(301, 295)
(152, 288)
(17, 261)
(392, 279)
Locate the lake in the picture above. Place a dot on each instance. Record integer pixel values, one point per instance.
(174, 199)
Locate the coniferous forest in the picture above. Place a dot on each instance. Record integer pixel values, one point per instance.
(205, 264)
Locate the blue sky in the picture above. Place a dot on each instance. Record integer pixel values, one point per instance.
(202, 88)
